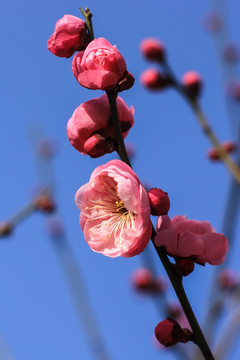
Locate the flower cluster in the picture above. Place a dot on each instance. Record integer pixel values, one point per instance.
(159, 79)
(114, 206)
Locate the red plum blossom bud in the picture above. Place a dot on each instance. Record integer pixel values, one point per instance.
(231, 53)
(227, 279)
(212, 22)
(91, 123)
(169, 333)
(183, 266)
(234, 90)
(100, 66)
(192, 84)
(159, 201)
(45, 204)
(96, 145)
(229, 146)
(5, 229)
(154, 80)
(174, 310)
(153, 49)
(70, 35)
(144, 281)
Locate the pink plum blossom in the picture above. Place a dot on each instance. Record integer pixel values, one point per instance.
(100, 66)
(90, 129)
(115, 211)
(193, 239)
(70, 35)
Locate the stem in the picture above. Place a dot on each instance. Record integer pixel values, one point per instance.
(120, 147)
(175, 279)
(224, 156)
(88, 17)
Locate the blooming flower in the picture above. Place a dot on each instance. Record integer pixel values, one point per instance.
(100, 66)
(70, 35)
(193, 239)
(90, 129)
(115, 212)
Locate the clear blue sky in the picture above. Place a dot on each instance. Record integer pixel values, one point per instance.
(37, 318)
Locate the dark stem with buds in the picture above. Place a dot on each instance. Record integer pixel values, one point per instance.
(175, 279)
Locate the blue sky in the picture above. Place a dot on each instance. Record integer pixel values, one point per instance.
(37, 317)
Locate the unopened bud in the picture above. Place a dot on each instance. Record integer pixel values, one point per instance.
(169, 332)
(192, 84)
(227, 279)
(5, 229)
(126, 82)
(45, 204)
(212, 22)
(174, 310)
(154, 80)
(97, 146)
(159, 201)
(153, 49)
(229, 146)
(144, 281)
(231, 53)
(184, 266)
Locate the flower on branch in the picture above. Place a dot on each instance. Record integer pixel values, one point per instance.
(197, 240)
(115, 211)
(100, 66)
(70, 35)
(90, 129)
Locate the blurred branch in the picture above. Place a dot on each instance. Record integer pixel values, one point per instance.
(207, 130)
(68, 262)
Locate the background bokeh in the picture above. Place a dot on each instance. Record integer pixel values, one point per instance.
(37, 317)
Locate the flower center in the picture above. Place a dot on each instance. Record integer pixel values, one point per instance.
(111, 212)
